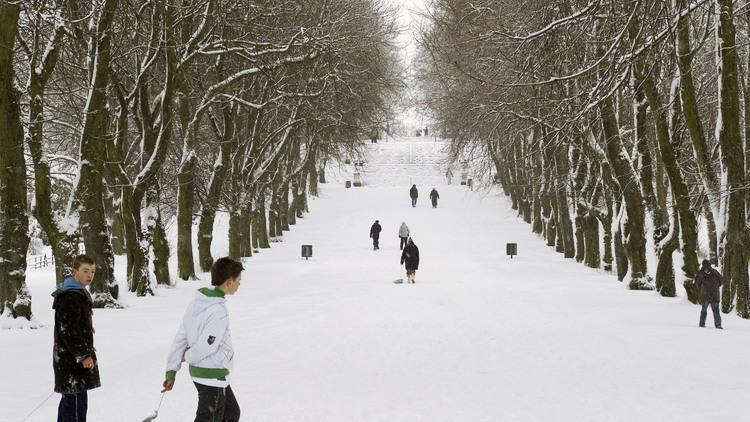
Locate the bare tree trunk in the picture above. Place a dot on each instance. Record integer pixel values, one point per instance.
(159, 235)
(713, 244)
(235, 234)
(87, 198)
(565, 225)
(735, 265)
(284, 217)
(680, 194)
(118, 225)
(64, 243)
(623, 173)
(208, 213)
(709, 175)
(665, 284)
(537, 183)
(274, 215)
(312, 170)
(15, 299)
(608, 188)
(260, 223)
(246, 221)
(578, 183)
(322, 172)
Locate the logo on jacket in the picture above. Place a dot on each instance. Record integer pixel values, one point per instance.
(211, 339)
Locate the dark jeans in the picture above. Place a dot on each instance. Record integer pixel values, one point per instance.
(375, 242)
(73, 407)
(216, 404)
(413, 202)
(715, 309)
(434, 203)
(403, 242)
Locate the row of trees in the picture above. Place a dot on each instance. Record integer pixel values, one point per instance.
(608, 122)
(118, 115)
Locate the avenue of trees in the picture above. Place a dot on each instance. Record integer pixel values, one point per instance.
(119, 116)
(619, 128)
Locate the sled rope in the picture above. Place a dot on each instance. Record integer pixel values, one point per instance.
(156, 412)
(37, 408)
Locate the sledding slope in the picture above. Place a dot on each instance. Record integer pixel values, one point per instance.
(406, 161)
(479, 337)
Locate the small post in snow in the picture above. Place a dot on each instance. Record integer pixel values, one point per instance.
(306, 251)
(511, 249)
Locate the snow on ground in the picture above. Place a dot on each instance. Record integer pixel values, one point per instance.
(479, 337)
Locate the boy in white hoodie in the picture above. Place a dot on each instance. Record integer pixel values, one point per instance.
(205, 343)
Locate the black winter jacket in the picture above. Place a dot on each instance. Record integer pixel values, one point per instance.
(410, 257)
(375, 230)
(413, 192)
(708, 281)
(74, 342)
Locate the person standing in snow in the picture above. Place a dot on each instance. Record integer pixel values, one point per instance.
(448, 175)
(375, 235)
(708, 281)
(403, 234)
(414, 194)
(410, 258)
(205, 343)
(434, 196)
(74, 357)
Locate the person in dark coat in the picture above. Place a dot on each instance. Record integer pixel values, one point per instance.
(414, 194)
(708, 281)
(375, 234)
(410, 257)
(74, 357)
(434, 196)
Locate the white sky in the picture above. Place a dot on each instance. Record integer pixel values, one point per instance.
(409, 9)
(409, 20)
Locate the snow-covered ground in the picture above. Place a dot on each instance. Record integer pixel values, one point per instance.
(479, 337)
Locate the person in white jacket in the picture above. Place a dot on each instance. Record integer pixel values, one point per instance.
(205, 343)
(403, 234)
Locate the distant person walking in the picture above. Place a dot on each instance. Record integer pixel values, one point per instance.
(414, 194)
(448, 175)
(403, 234)
(708, 281)
(375, 235)
(434, 196)
(410, 258)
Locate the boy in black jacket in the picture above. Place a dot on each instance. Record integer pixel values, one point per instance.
(74, 357)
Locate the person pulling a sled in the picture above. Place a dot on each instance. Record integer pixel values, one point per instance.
(410, 258)
(205, 343)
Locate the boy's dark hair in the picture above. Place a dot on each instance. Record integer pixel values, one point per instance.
(82, 259)
(224, 269)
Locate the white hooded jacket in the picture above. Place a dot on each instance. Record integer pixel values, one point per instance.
(403, 231)
(204, 340)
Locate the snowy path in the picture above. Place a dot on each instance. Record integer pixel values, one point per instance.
(480, 337)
